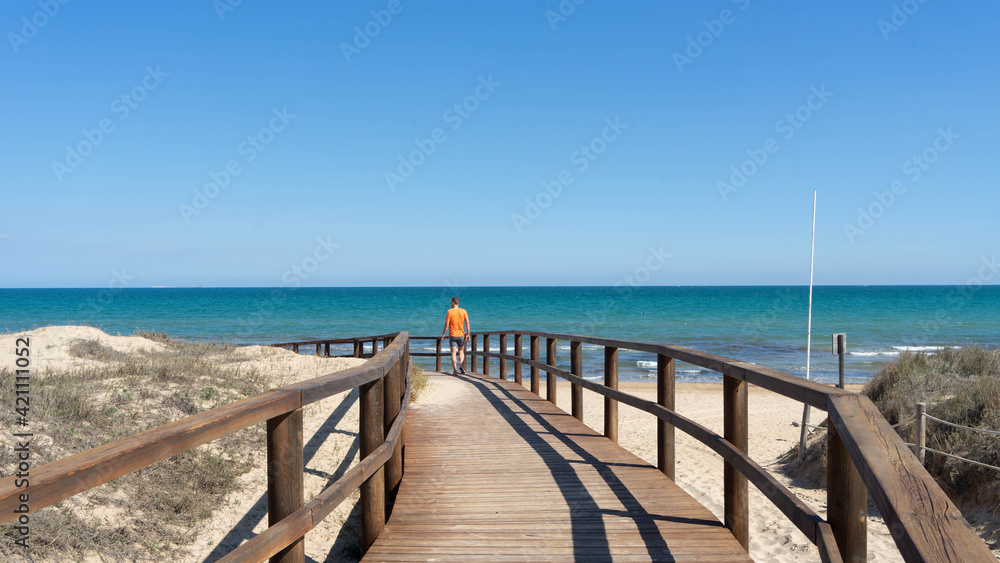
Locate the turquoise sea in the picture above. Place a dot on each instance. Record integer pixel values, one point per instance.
(765, 325)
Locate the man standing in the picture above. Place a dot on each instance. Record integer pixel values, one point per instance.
(457, 330)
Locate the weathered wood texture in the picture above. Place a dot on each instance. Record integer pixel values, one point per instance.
(737, 492)
(924, 523)
(285, 477)
(510, 477)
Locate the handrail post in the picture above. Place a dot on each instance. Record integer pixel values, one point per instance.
(285, 477)
(846, 500)
(391, 408)
(611, 382)
(319, 349)
(374, 346)
(517, 364)
(550, 378)
(372, 434)
(357, 348)
(295, 348)
(665, 396)
(437, 357)
(737, 506)
(503, 361)
(535, 387)
(486, 354)
(327, 350)
(576, 368)
(472, 355)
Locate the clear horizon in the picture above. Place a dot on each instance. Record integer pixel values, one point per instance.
(391, 143)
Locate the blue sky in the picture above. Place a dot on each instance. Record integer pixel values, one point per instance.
(312, 106)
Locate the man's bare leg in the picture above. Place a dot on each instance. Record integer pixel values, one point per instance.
(461, 356)
(454, 358)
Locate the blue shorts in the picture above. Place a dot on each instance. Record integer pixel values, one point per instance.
(457, 341)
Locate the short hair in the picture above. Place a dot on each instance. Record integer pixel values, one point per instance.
(454, 300)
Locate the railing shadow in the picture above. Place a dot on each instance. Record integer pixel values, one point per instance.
(243, 530)
(589, 535)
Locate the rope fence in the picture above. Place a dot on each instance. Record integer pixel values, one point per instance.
(984, 431)
(921, 436)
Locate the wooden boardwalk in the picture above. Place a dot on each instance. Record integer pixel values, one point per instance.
(499, 474)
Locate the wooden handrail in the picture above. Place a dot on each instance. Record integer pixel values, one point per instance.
(281, 408)
(923, 522)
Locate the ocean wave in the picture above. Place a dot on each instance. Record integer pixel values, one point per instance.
(922, 348)
(872, 354)
(646, 364)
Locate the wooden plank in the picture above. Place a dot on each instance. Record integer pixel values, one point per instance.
(924, 523)
(577, 495)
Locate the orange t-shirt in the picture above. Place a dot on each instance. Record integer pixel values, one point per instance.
(456, 319)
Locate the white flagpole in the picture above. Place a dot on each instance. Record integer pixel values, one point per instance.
(812, 263)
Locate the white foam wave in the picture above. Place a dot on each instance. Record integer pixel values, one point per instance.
(873, 354)
(646, 364)
(922, 348)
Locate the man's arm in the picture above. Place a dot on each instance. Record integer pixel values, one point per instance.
(444, 333)
(468, 327)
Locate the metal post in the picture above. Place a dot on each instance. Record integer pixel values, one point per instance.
(921, 426)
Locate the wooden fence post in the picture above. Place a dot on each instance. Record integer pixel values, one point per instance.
(503, 361)
(319, 349)
(295, 348)
(357, 348)
(327, 350)
(517, 365)
(371, 436)
(374, 346)
(576, 368)
(611, 382)
(486, 354)
(285, 471)
(665, 393)
(391, 407)
(550, 378)
(846, 500)
(472, 355)
(535, 387)
(920, 440)
(737, 506)
(437, 357)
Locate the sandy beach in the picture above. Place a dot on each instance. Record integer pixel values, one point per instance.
(331, 448)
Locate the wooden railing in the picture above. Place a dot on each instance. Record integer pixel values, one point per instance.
(384, 384)
(865, 455)
(323, 346)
